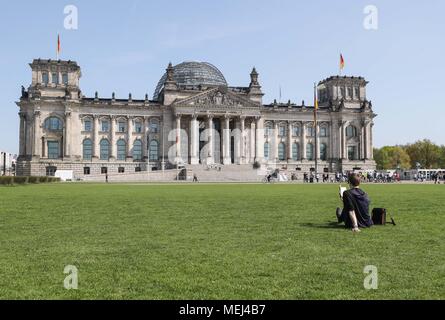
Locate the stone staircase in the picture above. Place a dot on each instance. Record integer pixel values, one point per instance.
(221, 173)
(144, 176)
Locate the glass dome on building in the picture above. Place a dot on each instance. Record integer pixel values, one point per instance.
(192, 74)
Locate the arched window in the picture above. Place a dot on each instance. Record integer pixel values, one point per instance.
(121, 150)
(104, 149)
(266, 151)
(295, 151)
(310, 151)
(351, 131)
(137, 150)
(281, 151)
(323, 132)
(87, 149)
(53, 124)
(323, 152)
(154, 150)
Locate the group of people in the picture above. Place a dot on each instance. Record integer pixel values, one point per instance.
(437, 177)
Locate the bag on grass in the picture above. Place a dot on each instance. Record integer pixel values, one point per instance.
(379, 216)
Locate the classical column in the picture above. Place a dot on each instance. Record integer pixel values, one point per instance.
(194, 140)
(242, 141)
(130, 138)
(371, 143)
(252, 142)
(289, 141)
(275, 142)
(259, 140)
(96, 138)
(22, 137)
(113, 143)
(363, 141)
(227, 159)
(344, 152)
(317, 141)
(332, 130)
(210, 159)
(178, 139)
(303, 141)
(36, 134)
(146, 142)
(67, 135)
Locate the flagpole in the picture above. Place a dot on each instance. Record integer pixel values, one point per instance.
(316, 131)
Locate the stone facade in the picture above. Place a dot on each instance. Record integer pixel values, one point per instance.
(194, 118)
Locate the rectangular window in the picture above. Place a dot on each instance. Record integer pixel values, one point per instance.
(351, 153)
(282, 131)
(65, 79)
(88, 125)
(105, 126)
(138, 127)
(45, 78)
(121, 126)
(104, 170)
(121, 170)
(137, 169)
(51, 171)
(53, 150)
(86, 170)
(55, 78)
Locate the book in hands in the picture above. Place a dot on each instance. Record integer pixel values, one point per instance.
(341, 190)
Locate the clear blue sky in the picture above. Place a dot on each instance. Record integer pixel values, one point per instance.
(124, 46)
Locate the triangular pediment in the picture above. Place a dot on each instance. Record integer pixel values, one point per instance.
(216, 98)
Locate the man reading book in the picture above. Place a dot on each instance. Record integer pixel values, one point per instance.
(355, 213)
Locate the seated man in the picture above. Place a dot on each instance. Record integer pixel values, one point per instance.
(355, 212)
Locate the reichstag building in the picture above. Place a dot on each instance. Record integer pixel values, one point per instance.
(61, 129)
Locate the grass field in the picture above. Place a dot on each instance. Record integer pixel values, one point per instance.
(240, 241)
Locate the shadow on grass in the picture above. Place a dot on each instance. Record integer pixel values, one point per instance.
(329, 225)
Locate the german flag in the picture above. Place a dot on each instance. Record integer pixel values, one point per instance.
(342, 62)
(58, 46)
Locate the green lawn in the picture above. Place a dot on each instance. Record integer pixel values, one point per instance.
(239, 241)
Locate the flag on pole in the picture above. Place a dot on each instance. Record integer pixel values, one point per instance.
(342, 62)
(315, 106)
(58, 46)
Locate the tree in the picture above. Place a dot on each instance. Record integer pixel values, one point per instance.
(426, 153)
(392, 158)
(442, 158)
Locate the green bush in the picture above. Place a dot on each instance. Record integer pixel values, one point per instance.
(10, 180)
(33, 179)
(20, 180)
(43, 179)
(6, 180)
